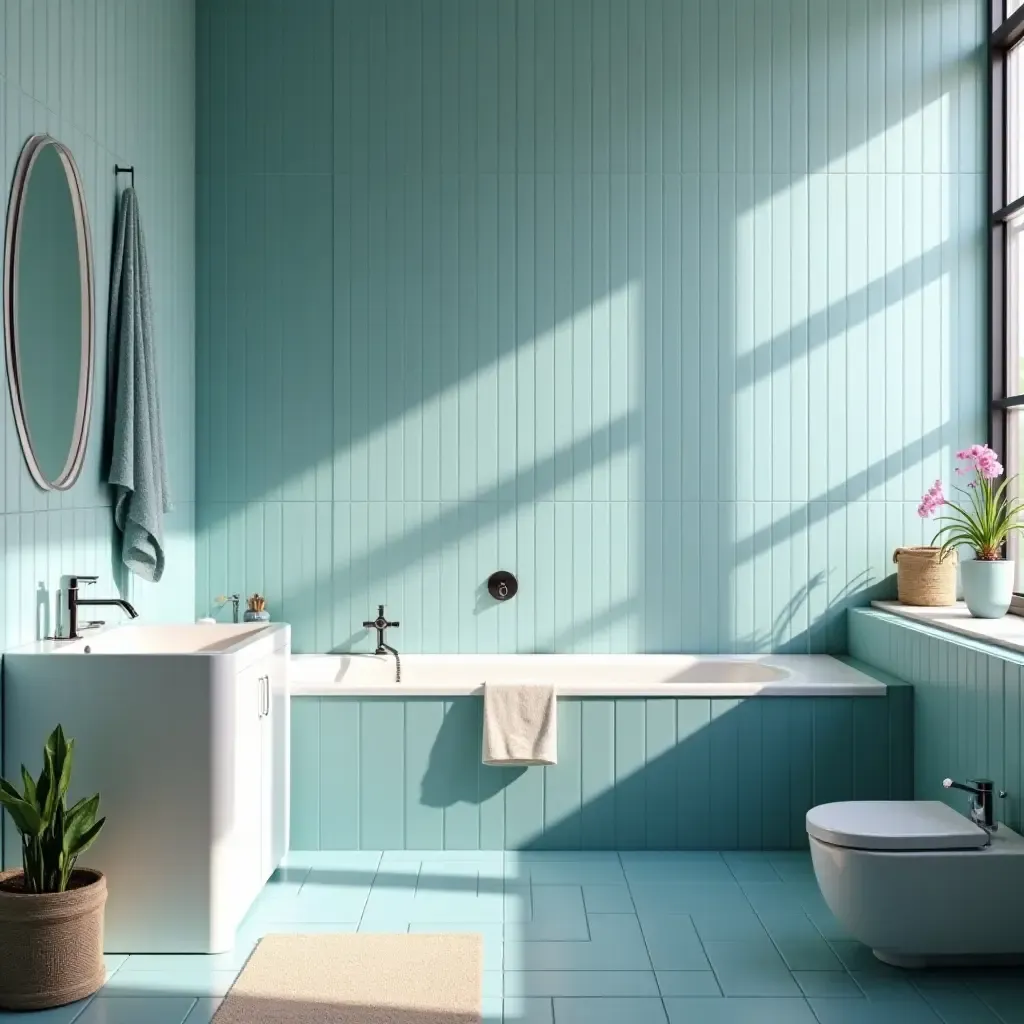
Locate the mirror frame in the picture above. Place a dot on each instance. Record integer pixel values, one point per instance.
(15, 211)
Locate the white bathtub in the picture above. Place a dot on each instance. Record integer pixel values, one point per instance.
(582, 675)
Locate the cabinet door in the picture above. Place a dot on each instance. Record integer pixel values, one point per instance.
(276, 757)
(248, 788)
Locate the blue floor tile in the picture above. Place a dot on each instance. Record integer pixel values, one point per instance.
(574, 873)
(616, 944)
(960, 1006)
(688, 983)
(738, 1011)
(203, 1011)
(858, 957)
(558, 916)
(827, 985)
(806, 953)
(673, 944)
(669, 873)
(607, 899)
(610, 1011)
(688, 898)
(579, 984)
(136, 1010)
(750, 866)
(860, 1011)
(515, 857)
(728, 924)
(583, 936)
(528, 1011)
(891, 986)
(58, 1015)
(252, 931)
(750, 968)
(346, 860)
(792, 866)
(192, 982)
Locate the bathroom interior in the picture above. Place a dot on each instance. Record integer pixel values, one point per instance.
(538, 466)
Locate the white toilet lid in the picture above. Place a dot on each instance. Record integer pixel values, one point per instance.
(894, 825)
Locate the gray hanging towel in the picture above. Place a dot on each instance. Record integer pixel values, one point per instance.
(138, 465)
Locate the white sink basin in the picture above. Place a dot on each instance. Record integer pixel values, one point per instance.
(134, 638)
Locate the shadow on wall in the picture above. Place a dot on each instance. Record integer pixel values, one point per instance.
(455, 773)
(741, 774)
(434, 220)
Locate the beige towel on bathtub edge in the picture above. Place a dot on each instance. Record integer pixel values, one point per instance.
(520, 724)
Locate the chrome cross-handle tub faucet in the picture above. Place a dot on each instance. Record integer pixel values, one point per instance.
(382, 625)
(983, 792)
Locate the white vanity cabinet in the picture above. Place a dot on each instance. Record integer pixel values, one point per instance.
(258, 821)
(184, 733)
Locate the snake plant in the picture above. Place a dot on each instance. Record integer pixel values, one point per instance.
(53, 836)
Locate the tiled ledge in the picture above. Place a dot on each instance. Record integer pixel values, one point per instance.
(1006, 633)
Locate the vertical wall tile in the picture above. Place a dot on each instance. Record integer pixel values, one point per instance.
(340, 783)
(594, 304)
(382, 775)
(61, 72)
(306, 773)
(633, 774)
(630, 754)
(597, 774)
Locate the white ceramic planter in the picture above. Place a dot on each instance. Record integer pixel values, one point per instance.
(988, 587)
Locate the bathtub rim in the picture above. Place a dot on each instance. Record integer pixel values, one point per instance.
(809, 675)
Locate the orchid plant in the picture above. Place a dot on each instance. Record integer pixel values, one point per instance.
(992, 514)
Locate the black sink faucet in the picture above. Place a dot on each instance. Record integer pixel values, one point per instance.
(75, 602)
(382, 625)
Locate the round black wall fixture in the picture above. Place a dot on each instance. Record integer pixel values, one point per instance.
(502, 585)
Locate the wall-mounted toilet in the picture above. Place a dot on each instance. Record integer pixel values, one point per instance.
(919, 883)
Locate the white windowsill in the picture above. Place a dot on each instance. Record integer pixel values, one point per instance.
(1006, 632)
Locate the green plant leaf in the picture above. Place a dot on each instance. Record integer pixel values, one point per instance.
(46, 788)
(6, 787)
(60, 755)
(30, 786)
(79, 820)
(87, 838)
(24, 815)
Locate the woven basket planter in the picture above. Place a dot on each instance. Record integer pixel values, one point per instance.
(924, 577)
(51, 945)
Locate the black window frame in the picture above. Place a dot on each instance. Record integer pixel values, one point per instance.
(1006, 33)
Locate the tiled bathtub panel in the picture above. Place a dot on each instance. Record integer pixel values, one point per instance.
(633, 773)
(966, 705)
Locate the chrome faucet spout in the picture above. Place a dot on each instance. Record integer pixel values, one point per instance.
(75, 602)
(983, 793)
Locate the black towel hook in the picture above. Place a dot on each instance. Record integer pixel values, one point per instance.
(126, 170)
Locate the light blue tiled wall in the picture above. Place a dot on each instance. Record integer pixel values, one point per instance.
(967, 706)
(671, 306)
(114, 80)
(632, 774)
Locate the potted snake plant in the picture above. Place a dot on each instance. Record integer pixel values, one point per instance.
(51, 910)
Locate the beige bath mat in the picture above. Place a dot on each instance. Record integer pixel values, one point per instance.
(359, 979)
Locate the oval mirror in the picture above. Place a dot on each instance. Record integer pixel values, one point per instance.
(48, 312)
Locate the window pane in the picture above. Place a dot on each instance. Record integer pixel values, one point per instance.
(1014, 468)
(1012, 5)
(1014, 115)
(1014, 305)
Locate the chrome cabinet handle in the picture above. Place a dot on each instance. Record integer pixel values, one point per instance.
(266, 689)
(263, 696)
